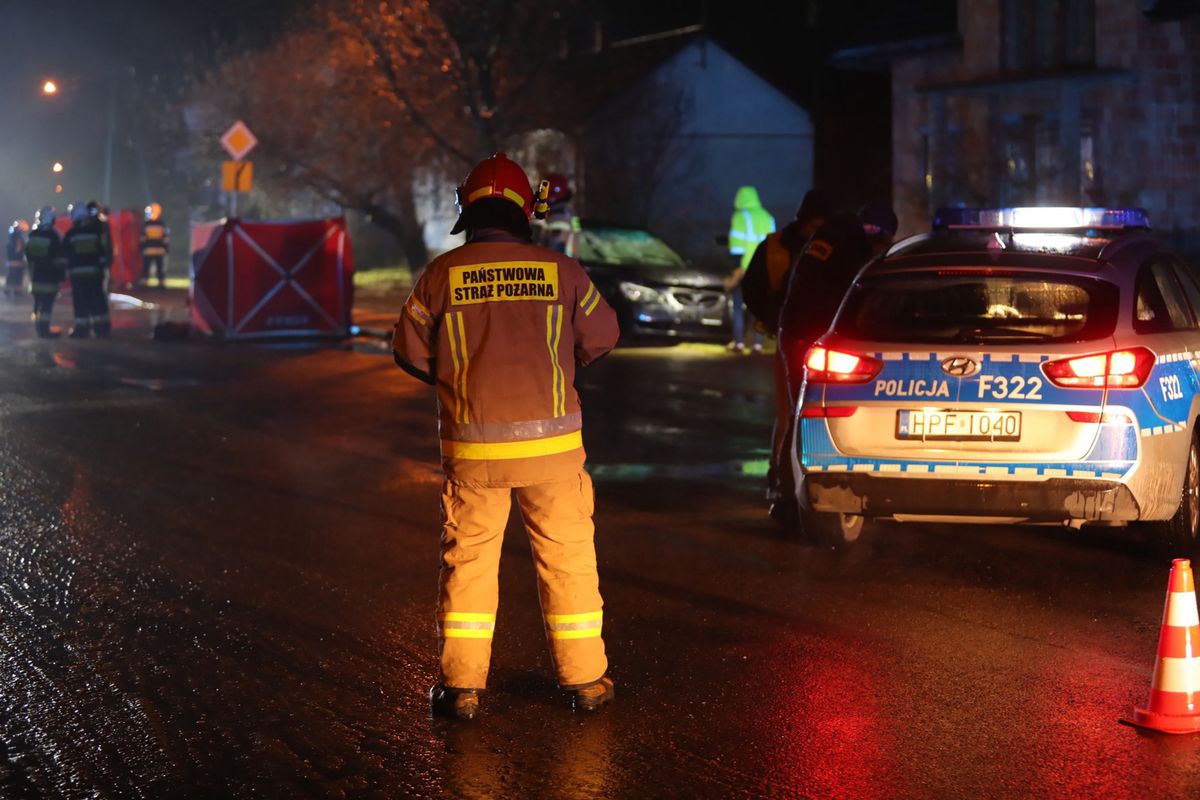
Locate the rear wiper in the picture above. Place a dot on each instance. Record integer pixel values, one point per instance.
(976, 334)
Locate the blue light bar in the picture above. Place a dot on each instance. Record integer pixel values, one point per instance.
(1040, 218)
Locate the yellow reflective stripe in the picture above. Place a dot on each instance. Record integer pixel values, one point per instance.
(466, 364)
(419, 306)
(562, 619)
(591, 633)
(516, 198)
(587, 296)
(466, 633)
(415, 316)
(499, 451)
(451, 321)
(553, 337)
(458, 355)
(478, 193)
(467, 616)
(587, 312)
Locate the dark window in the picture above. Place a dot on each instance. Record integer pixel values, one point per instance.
(1188, 281)
(1044, 34)
(1160, 304)
(966, 306)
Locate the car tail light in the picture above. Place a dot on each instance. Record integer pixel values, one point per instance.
(828, 411)
(1095, 417)
(835, 366)
(1117, 369)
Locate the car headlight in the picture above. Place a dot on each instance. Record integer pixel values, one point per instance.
(636, 293)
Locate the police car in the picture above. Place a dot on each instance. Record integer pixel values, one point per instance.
(1014, 365)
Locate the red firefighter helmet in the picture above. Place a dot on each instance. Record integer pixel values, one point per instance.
(560, 188)
(499, 177)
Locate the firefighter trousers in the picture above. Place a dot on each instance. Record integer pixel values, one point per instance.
(90, 298)
(558, 521)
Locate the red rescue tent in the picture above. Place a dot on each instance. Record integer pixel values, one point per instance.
(255, 280)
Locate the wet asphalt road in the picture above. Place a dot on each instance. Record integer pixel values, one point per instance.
(217, 575)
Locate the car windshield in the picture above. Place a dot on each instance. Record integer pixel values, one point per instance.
(620, 246)
(964, 306)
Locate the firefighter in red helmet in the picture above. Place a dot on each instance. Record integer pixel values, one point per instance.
(499, 326)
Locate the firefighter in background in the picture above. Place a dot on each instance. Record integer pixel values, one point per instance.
(14, 279)
(156, 243)
(560, 230)
(47, 268)
(499, 326)
(748, 226)
(88, 251)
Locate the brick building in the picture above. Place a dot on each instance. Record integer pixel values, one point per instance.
(1067, 102)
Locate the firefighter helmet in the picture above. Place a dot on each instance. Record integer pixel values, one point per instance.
(153, 212)
(45, 216)
(497, 177)
(19, 226)
(560, 188)
(77, 211)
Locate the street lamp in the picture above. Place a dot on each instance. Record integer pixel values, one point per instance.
(58, 167)
(49, 88)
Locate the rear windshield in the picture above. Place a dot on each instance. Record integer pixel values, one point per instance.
(962, 306)
(620, 246)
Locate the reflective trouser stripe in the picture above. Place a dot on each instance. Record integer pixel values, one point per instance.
(499, 451)
(44, 288)
(84, 271)
(574, 626)
(467, 625)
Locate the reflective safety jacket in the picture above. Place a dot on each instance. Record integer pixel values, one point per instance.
(499, 326)
(47, 261)
(749, 224)
(156, 238)
(87, 248)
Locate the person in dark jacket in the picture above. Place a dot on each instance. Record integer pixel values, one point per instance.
(14, 280)
(825, 271)
(89, 253)
(47, 268)
(773, 260)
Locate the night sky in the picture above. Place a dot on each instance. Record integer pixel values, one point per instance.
(148, 51)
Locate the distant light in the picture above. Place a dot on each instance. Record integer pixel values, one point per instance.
(58, 188)
(49, 87)
(58, 167)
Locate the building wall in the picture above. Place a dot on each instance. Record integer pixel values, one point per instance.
(1121, 130)
(733, 129)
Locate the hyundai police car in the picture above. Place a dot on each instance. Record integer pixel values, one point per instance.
(1014, 365)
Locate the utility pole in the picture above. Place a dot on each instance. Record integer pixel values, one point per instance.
(112, 125)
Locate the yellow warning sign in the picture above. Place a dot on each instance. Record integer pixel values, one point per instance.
(504, 280)
(237, 176)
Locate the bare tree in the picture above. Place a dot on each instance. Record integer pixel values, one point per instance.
(358, 100)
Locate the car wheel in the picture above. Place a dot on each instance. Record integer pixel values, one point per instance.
(1183, 529)
(832, 528)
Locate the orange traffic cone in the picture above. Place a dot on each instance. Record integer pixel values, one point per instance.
(1175, 688)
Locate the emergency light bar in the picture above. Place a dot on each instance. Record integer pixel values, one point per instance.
(1035, 218)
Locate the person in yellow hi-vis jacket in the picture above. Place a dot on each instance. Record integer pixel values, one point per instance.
(748, 227)
(499, 326)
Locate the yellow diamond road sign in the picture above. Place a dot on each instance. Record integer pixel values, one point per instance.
(238, 141)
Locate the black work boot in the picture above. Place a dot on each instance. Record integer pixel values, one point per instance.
(446, 701)
(594, 695)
